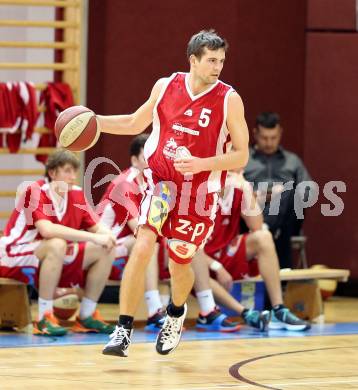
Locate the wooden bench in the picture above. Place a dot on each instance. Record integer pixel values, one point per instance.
(14, 304)
(301, 294)
(301, 287)
(341, 275)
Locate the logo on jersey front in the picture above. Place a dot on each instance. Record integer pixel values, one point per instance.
(170, 148)
(182, 249)
(188, 112)
(179, 129)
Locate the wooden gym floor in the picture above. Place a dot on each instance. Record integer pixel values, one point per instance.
(324, 358)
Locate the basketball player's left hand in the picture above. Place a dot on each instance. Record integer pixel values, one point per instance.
(188, 166)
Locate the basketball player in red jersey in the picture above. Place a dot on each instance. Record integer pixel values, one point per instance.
(233, 256)
(53, 239)
(196, 118)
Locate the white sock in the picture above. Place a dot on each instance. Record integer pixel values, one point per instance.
(45, 305)
(206, 301)
(152, 299)
(87, 308)
(165, 298)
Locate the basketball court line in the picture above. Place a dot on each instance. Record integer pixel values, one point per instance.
(329, 381)
(234, 370)
(300, 367)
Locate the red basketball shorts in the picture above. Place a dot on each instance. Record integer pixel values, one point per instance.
(234, 258)
(20, 263)
(185, 221)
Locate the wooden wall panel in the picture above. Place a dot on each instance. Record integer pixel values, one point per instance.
(332, 15)
(330, 146)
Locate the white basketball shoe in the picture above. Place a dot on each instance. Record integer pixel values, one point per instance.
(170, 334)
(119, 342)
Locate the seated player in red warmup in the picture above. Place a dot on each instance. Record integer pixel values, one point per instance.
(118, 210)
(52, 239)
(233, 256)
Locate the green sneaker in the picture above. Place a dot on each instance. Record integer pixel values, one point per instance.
(92, 324)
(49, 326)
(256, 319)
(285, 319)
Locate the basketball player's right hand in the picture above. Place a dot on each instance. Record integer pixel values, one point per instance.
(106, 240)
(189, 165)
(224, 278)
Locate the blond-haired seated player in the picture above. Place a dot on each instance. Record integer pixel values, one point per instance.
(53, 239)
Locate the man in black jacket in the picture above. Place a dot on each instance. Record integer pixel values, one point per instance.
(279, 172)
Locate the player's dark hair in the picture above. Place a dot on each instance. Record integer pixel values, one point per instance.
(269, 120)
(137, 144)
(205, 39)
(59, 159)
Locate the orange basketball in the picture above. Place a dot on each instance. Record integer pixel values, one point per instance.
(66, 303)
(77, 128)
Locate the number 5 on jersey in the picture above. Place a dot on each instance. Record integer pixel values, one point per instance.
(204, 117)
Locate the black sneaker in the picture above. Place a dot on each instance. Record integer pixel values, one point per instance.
(216, 321)
(257, 319)
(155, 322)
(119, 342)
(284, 319)
(170, 334)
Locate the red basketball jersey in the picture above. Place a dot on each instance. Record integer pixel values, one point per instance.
(37, 204)
(121, 202)
(196, 122)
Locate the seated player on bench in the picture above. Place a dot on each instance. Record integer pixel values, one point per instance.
(119, 209)
(52, 240)
(233, 256)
